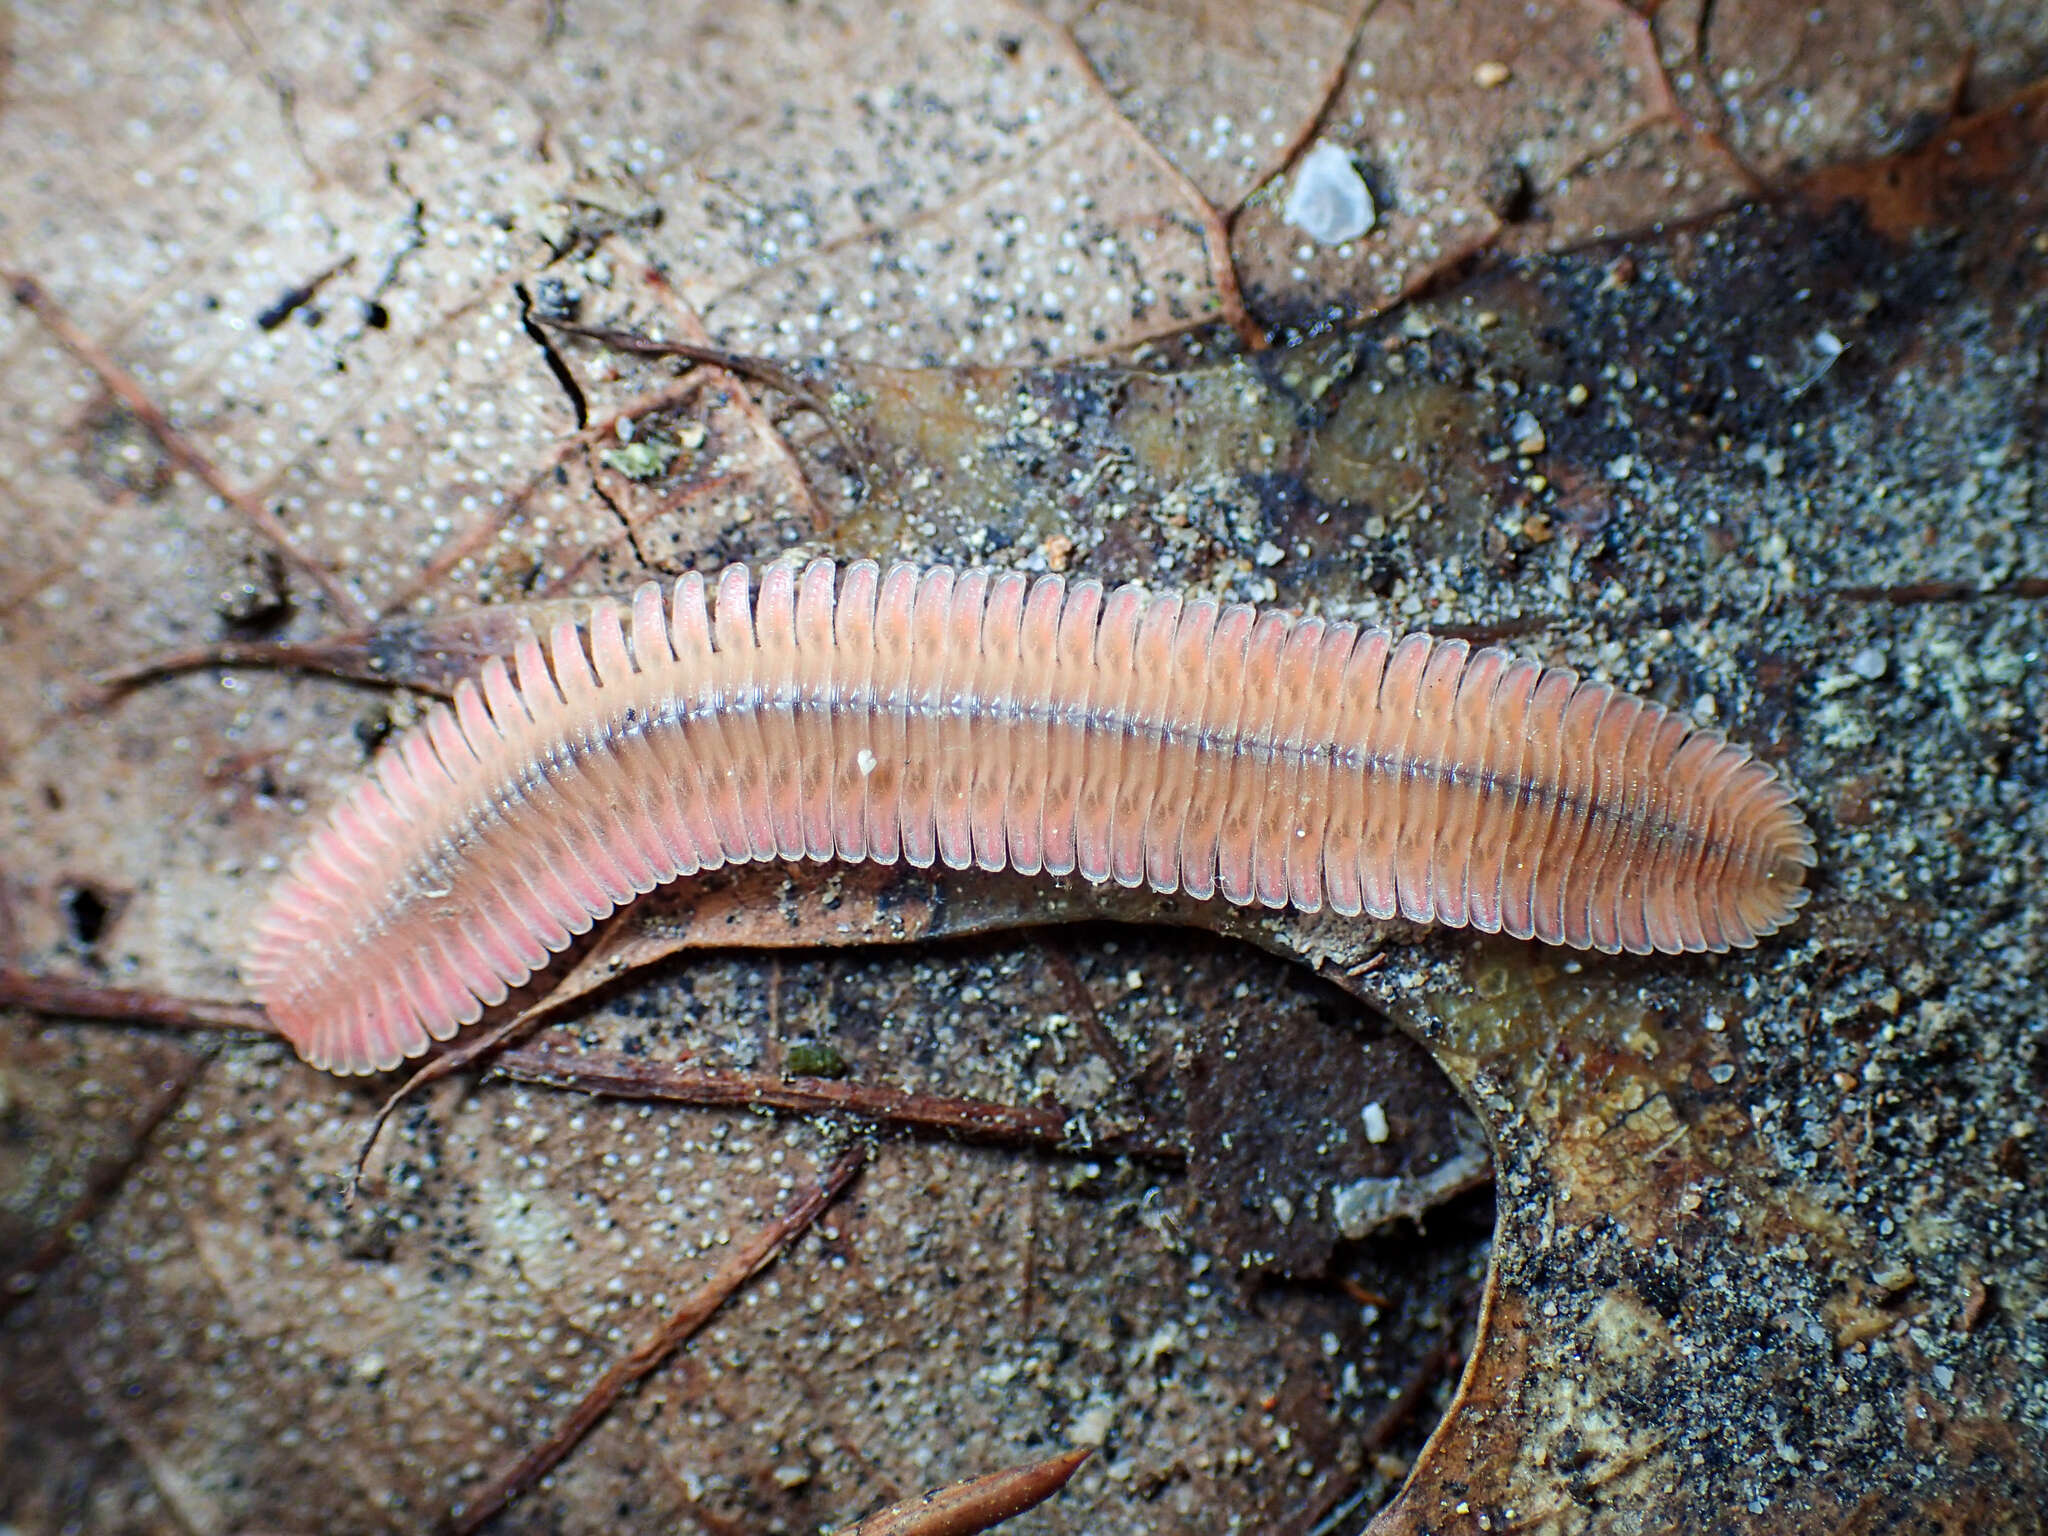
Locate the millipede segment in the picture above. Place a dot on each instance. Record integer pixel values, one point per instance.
(979, 718)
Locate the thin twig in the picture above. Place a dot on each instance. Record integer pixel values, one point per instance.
(446, 1064)
(1916, 592)
(607, 1073)
(300, 295)
(277, 655)
(741, 1265)
(1081, 1003)
(1442, 1359)
(979, 1504)
(761, 370)
(692, 326)
(32, 296)
(613, 1074)
(120, 1005)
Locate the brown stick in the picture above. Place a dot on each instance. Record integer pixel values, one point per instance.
(615, 1075)
(1081, 1003)
(761, 370)
(32, 296)
(604, 1073)
(279, 655)
(118, 1005)
(693, 330)
(745, 1262)
(1914, 592)
(980, 1503)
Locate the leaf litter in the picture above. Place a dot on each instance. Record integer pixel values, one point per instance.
(519, 1245)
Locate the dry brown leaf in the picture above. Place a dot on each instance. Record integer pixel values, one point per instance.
(1797, 1282)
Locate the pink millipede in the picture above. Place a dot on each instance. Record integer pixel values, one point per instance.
(980, 718)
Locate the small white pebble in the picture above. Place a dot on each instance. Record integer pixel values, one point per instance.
(1093, 1426)
(1329, 199)
(1375, 1117)
(1527, 433)
(1868, 664)
(866, 761)
(1491, 75)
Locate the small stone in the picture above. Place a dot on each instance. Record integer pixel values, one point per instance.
(1869, 663)
(1894, 1278)
(1094, 1425)
(1329, 199)
(1527, 434)
(1375, 1117)
(1491, 75)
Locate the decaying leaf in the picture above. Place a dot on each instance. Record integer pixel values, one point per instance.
(1769, 1235)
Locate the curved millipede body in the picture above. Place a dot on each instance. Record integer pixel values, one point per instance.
(980, 718)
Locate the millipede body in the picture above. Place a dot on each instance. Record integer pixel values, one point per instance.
(981, 718)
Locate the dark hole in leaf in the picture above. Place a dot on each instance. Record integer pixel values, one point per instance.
(85, 914)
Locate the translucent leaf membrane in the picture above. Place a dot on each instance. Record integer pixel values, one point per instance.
(976, 718)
